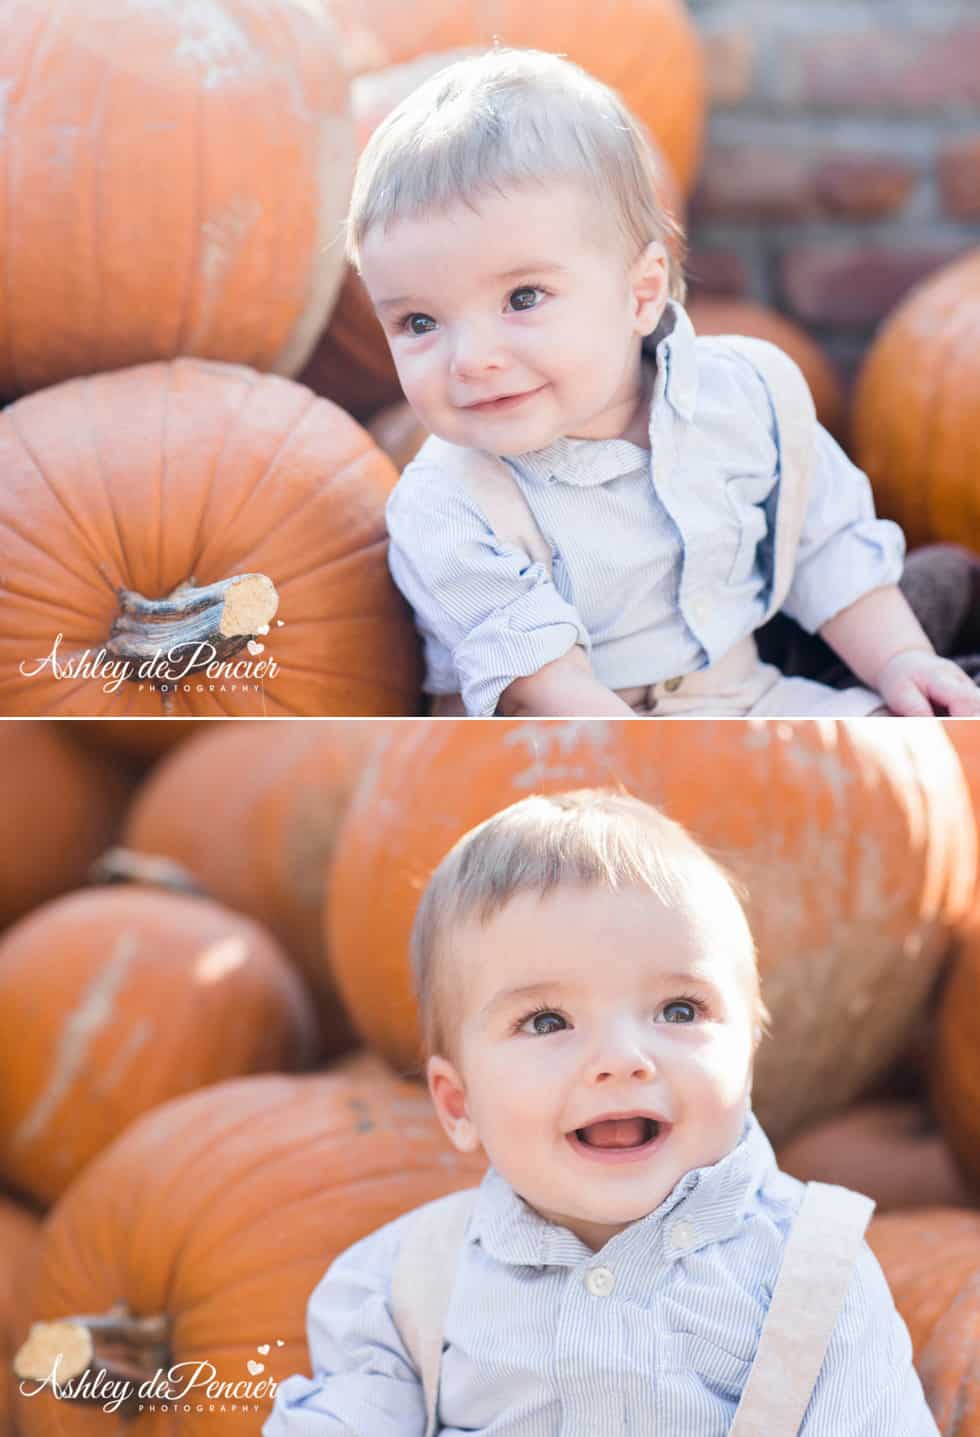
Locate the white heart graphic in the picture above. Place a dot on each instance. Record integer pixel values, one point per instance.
(255, 1367)
(263, 1349)
(279, 1342)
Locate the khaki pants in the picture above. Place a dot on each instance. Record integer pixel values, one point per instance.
(739, 685)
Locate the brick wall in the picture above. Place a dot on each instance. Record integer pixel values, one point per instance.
(842, 161)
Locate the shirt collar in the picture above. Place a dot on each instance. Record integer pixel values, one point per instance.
(586, 462)
(712, 1200)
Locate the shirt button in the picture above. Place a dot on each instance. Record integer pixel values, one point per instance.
(672, 685)
(600, 1281)
(682, 1235)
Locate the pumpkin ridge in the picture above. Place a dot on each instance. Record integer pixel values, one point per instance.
(332, 566)
(8, 415)
(328, 482)
(928, 429)
(46, 23)
(38, 600)
(962, 342)
(87, 405)
(47, 554)
(197, 224)
(211, 485)
(230, 520)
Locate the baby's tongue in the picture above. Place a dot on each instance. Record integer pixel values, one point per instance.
(616, 1133)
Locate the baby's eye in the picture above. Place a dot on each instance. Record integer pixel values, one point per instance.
(408, 323)
(683, 1003)
(536, 1016)
(527, 289)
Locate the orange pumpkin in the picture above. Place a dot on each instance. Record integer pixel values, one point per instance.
(352, 364)
(920, 442)
(853, 839)
(399, 432)
(648, 50)
(955, 1056)
(889, 1150)
(141, 740)
(61, 806)
(931, 1259)
(740, 316)
(265, 1182)
(199, 505)
(965, 738)
(171, 179)
(252, 810)
(20, 1232)
(112, 1001)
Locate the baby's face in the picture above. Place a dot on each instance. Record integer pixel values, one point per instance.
(645, 1008)
(529, 295)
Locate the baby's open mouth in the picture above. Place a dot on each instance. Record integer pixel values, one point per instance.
(619, 1133)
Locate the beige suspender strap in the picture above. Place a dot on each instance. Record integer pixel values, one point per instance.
(491, 485)
(822, 1247)
(422, 1284)
(796, 422)
(821, 1250)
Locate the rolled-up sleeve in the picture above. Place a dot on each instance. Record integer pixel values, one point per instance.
(844, 551)
(867, 1385)
(484, 600)
(363, 1382)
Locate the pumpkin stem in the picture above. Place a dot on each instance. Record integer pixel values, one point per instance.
(159, 640)
(126, 865)
(125, 1348)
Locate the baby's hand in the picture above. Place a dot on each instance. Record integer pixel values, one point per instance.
(910, 679)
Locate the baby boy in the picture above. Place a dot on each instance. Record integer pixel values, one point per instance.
(608, 507)
(591, 1010)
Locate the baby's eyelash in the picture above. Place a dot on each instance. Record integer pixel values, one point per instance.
(698, 1004)
(403, 319)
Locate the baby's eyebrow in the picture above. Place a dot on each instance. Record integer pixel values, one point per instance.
(537, 266)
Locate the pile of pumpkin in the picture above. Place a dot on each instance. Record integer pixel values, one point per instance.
(189, 364)
(209, 1074)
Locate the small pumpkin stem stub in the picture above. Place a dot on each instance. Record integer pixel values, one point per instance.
(158, 641)
(122, 1348)
(128, 865)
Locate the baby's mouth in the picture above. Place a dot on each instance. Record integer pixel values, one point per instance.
(619, 1133)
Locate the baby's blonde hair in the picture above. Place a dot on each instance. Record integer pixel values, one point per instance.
(512, 117)
(582, 838)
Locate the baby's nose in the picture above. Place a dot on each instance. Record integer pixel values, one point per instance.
(475, 350)
(621, 1060)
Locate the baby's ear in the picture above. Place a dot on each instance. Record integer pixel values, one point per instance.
(650, 282)
(449, 1100)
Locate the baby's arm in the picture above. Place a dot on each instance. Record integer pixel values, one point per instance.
(881, 640)
(845, 588)
(867, 1386)
(485, 600)
(363, 1383)
(565, 688)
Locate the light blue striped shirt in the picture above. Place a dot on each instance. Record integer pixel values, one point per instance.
(665, 1347)
(662, 558)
